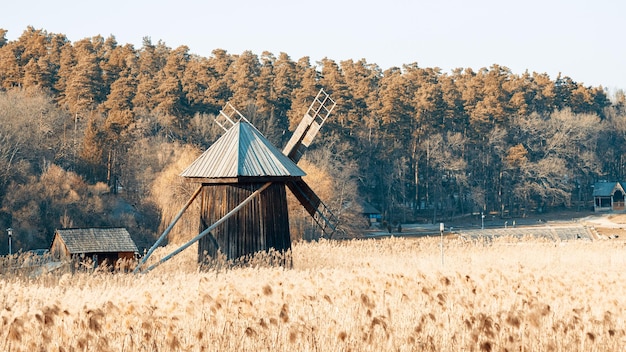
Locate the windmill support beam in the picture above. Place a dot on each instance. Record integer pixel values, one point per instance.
(210, 228)
(168, 229)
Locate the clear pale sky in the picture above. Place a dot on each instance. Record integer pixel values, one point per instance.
(584, 40)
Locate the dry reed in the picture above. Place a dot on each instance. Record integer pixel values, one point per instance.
(389, 294)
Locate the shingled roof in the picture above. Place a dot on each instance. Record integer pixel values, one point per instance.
(242, 152)
(97, 240)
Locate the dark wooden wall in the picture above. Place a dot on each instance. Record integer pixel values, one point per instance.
(260, 225)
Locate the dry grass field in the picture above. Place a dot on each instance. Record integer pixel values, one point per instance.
(391, 294)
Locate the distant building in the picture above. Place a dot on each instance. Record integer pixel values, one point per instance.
(608, 196)
(372, 214)
(98, 244)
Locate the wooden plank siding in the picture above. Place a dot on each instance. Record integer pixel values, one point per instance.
(261, 224)
(99, 244)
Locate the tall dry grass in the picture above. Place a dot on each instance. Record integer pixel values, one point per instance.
(376, 295)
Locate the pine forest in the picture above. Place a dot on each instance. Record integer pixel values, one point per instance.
(94, 133)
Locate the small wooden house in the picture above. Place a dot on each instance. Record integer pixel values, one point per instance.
(608, 196)
(372, 214)
(98, 244)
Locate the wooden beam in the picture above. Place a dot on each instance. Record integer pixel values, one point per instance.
(168, 229)
(237, 180)
(210, 228)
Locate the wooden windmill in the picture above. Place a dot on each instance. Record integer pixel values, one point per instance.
(242, 179)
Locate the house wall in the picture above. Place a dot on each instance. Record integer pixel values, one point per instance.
(58, 250)
(126, 255)
(607, 204)
(111, 259)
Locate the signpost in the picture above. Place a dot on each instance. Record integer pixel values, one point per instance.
(10, 233)
(441, 227)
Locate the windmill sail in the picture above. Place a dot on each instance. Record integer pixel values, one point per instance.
(228, 117)
(302, 137)
(311, 123)
(324, 218)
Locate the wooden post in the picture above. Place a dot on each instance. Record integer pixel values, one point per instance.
(441, 228)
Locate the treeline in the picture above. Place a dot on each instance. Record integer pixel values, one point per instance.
(415, 142)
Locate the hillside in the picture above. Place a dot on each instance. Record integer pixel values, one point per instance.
(413, 141)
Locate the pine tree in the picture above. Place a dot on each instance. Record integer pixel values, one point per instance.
(3, 37)
(362, 79)
(332, 80)
(195, 85)
(169, 93)
(244, 73)
(265, 94)
(306, 87)
(83, 88)
(151, 62)
(427, 100)
(219, 88)
(284, 84)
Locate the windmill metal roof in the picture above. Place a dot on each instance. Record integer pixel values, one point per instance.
(97, 240)
(242, 152)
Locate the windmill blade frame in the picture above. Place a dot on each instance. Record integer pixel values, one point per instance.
(309, 126)
(227, 117)
(300, 140)
(321, 214)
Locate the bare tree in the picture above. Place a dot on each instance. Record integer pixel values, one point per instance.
(446, 169)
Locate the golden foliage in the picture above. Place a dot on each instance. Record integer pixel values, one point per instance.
(170, 192)
(321, 183)
(517, 157)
